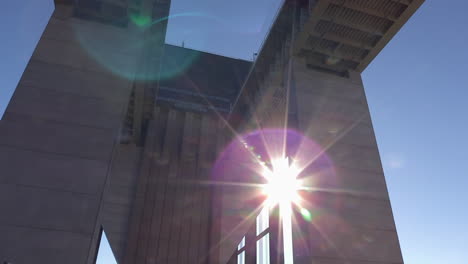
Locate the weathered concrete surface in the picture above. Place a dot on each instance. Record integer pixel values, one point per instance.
(56, 141)
(355, 222)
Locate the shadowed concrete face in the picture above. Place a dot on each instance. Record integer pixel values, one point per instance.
(66, 173)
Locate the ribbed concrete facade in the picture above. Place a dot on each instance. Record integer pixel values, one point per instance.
(86, 145)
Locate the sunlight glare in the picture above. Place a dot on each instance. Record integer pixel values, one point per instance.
(282, 183)
(282, 189)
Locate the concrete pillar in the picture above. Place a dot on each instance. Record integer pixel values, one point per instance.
(351, 214)
(57, 140)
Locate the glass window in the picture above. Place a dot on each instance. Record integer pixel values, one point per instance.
(263, 220)
(241, 252)
(260, 236)
(241, 244)
(263, 238)
(263, 250)
(241, 258)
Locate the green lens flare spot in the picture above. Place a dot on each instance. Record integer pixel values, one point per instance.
(140, 20)
(306, 214)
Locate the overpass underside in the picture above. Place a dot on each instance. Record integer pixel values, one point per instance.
(107, 131)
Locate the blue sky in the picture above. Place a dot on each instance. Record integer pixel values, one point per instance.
(21, 26)
(105, 255)
(417, 92)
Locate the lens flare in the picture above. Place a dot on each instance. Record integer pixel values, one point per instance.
(306, 214)
(140, 20)
(282, 188)
(135, 52)
(268, 168)
(283, 185)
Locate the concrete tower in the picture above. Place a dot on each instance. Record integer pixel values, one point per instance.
(111, 129)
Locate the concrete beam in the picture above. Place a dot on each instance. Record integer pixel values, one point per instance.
(390, 33)
(357, 7)
(309, 26)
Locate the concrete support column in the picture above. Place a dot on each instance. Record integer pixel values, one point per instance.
(350, 214)
(56, 141)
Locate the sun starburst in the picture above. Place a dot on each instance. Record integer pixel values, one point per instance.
(282, 184)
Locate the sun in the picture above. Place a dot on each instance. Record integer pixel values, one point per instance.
(282, 184)
(282, 189)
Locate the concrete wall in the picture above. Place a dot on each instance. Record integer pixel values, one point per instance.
(56, 144)
(65, 174)
(352, 220)
(355, 222)
(171, 217)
